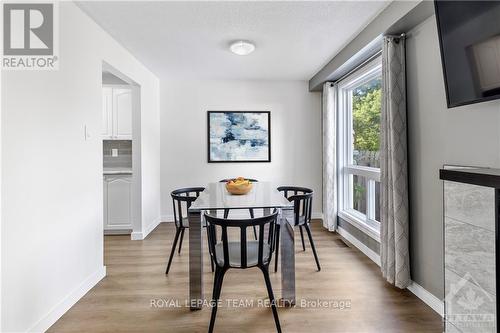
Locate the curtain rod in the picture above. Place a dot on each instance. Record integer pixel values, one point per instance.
(401, 35)
(363, 64)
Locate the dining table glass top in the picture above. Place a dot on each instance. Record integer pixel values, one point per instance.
(262, 195)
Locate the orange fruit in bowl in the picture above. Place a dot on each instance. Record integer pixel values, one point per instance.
(239, 186)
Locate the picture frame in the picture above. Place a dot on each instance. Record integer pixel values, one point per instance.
(238, 136)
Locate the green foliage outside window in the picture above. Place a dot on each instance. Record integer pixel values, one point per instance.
(366, 108)
(359, 197)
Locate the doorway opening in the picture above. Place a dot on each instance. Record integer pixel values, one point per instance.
(121, 153)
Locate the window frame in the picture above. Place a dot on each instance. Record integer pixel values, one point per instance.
(364, 222)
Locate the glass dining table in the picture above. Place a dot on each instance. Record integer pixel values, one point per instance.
(263, 195)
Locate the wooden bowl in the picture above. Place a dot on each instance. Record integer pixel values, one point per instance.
(238, 189)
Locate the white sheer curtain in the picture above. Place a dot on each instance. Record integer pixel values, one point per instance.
(330, 156)
(394, 234)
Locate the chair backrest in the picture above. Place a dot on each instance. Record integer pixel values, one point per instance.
(182, 199)
(302, 201)
(265, 233)
(228, 179)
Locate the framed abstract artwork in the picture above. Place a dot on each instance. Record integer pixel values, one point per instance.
(238, 136)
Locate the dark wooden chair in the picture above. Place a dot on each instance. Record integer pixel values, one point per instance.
(302, 210)
(241, 254)
(182, 200)
(250, 210)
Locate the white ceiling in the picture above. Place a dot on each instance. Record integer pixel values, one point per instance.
(190, 39)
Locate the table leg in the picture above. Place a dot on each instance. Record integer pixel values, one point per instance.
(196, 295)
(287, 253)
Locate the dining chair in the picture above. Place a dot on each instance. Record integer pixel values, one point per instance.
(241, 254)
(302, 210)
(250, 210)
(182, 199)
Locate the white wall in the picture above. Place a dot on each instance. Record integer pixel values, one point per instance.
(52, 228)
(1, 200)
(295, 134)
(468, 135)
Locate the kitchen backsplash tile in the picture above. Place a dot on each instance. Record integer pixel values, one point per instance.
(124, 158)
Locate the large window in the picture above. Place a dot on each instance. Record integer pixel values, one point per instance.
(359, 147)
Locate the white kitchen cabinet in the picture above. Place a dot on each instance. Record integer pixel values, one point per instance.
(122, 114)
(117, 113)
(107, 111)
(117, 202)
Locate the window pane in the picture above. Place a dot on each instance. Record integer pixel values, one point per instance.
(366, 107)
(358, 191)
(377, 201)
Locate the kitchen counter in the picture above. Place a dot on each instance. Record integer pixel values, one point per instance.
(117, 171)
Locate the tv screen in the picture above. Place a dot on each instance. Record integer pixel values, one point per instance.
(469, 36)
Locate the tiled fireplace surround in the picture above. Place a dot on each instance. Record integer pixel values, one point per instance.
(469, 248)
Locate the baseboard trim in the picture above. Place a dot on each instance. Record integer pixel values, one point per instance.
(117, 232)
(234, 214)
(136, 235)
(169, 218)
(64, 305)
(140, 235)
(432, 301)
(423, 294)
(360, 246)
(152, 226)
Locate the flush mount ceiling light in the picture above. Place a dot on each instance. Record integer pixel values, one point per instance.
(242, 47)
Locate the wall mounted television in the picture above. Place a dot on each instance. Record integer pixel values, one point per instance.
(469, 37)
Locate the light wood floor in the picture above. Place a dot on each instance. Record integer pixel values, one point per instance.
(135, 276)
